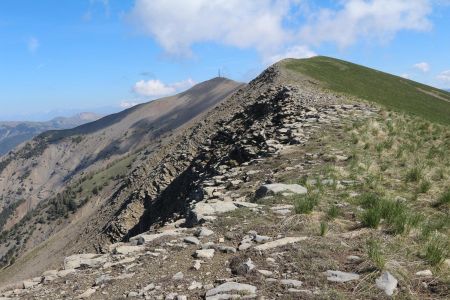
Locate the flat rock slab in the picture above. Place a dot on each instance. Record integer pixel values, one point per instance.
(387, 283)
(88, 293)
(127, 249)
(231, 287)
(276, 188)
(147, 238)
(338, 276)
(202, 211)
(204, 253)
(88, 259)
(292, 283)
(279, 243)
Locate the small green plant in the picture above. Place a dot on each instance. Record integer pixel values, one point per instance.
(375, 253)
(305, 204)
(436, 250)
(444, 199)
(323, 228)
(333, 212)
(413, 175)
(424, 186)
(371, 217)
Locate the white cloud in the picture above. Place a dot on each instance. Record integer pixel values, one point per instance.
(362, 19)
(275, 28)
(406, 76)
(444, 76)
(292, 52)
(128, 104)
(33, 44)
(178, 24)
(156, 88)
(423, 66)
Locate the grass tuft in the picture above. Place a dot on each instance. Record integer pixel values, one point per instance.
(444, 199)
(436, 250)
(304, 204)
(323, 228)
(375, 253)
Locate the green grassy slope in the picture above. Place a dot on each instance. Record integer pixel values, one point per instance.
(394, 92)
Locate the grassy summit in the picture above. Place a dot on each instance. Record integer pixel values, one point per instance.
(391, 91)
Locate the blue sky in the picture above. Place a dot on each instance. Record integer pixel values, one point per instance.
(62, 57)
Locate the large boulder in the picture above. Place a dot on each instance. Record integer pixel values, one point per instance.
(201, 212)
(276, 188)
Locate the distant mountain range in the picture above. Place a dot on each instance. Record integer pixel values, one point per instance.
(15, 133)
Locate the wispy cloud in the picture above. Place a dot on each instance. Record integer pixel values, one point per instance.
(33, 44)
(444, 77)
(157, 88)
(127, 104)
(422, 66)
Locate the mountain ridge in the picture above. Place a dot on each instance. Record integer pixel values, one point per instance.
(284, 128)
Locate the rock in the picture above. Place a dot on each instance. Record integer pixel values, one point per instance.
(275, 188)
(103, 279)
(49, 278)
(338, 276)
(387, 283)
(424, 273)
(195, 285)
(203, 232)
(201, 211)
(282, 209)
(181, 297)
(246, 204)
(197, 264)
(241, 265)
(279, 243)
(245, 245)
(127, 249)
(178, 276)
(64, 273)
(29, 284)
(191, 240)
(89, 292)
(147, 238)
(204, 253)
(149, 287)
(261, 239)
(233, 287)
(354, 258)
(266, 273)
(227, 249)
(171, 296)
(132, 294)
(50, 273)
(291, 283)
(89, 260)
